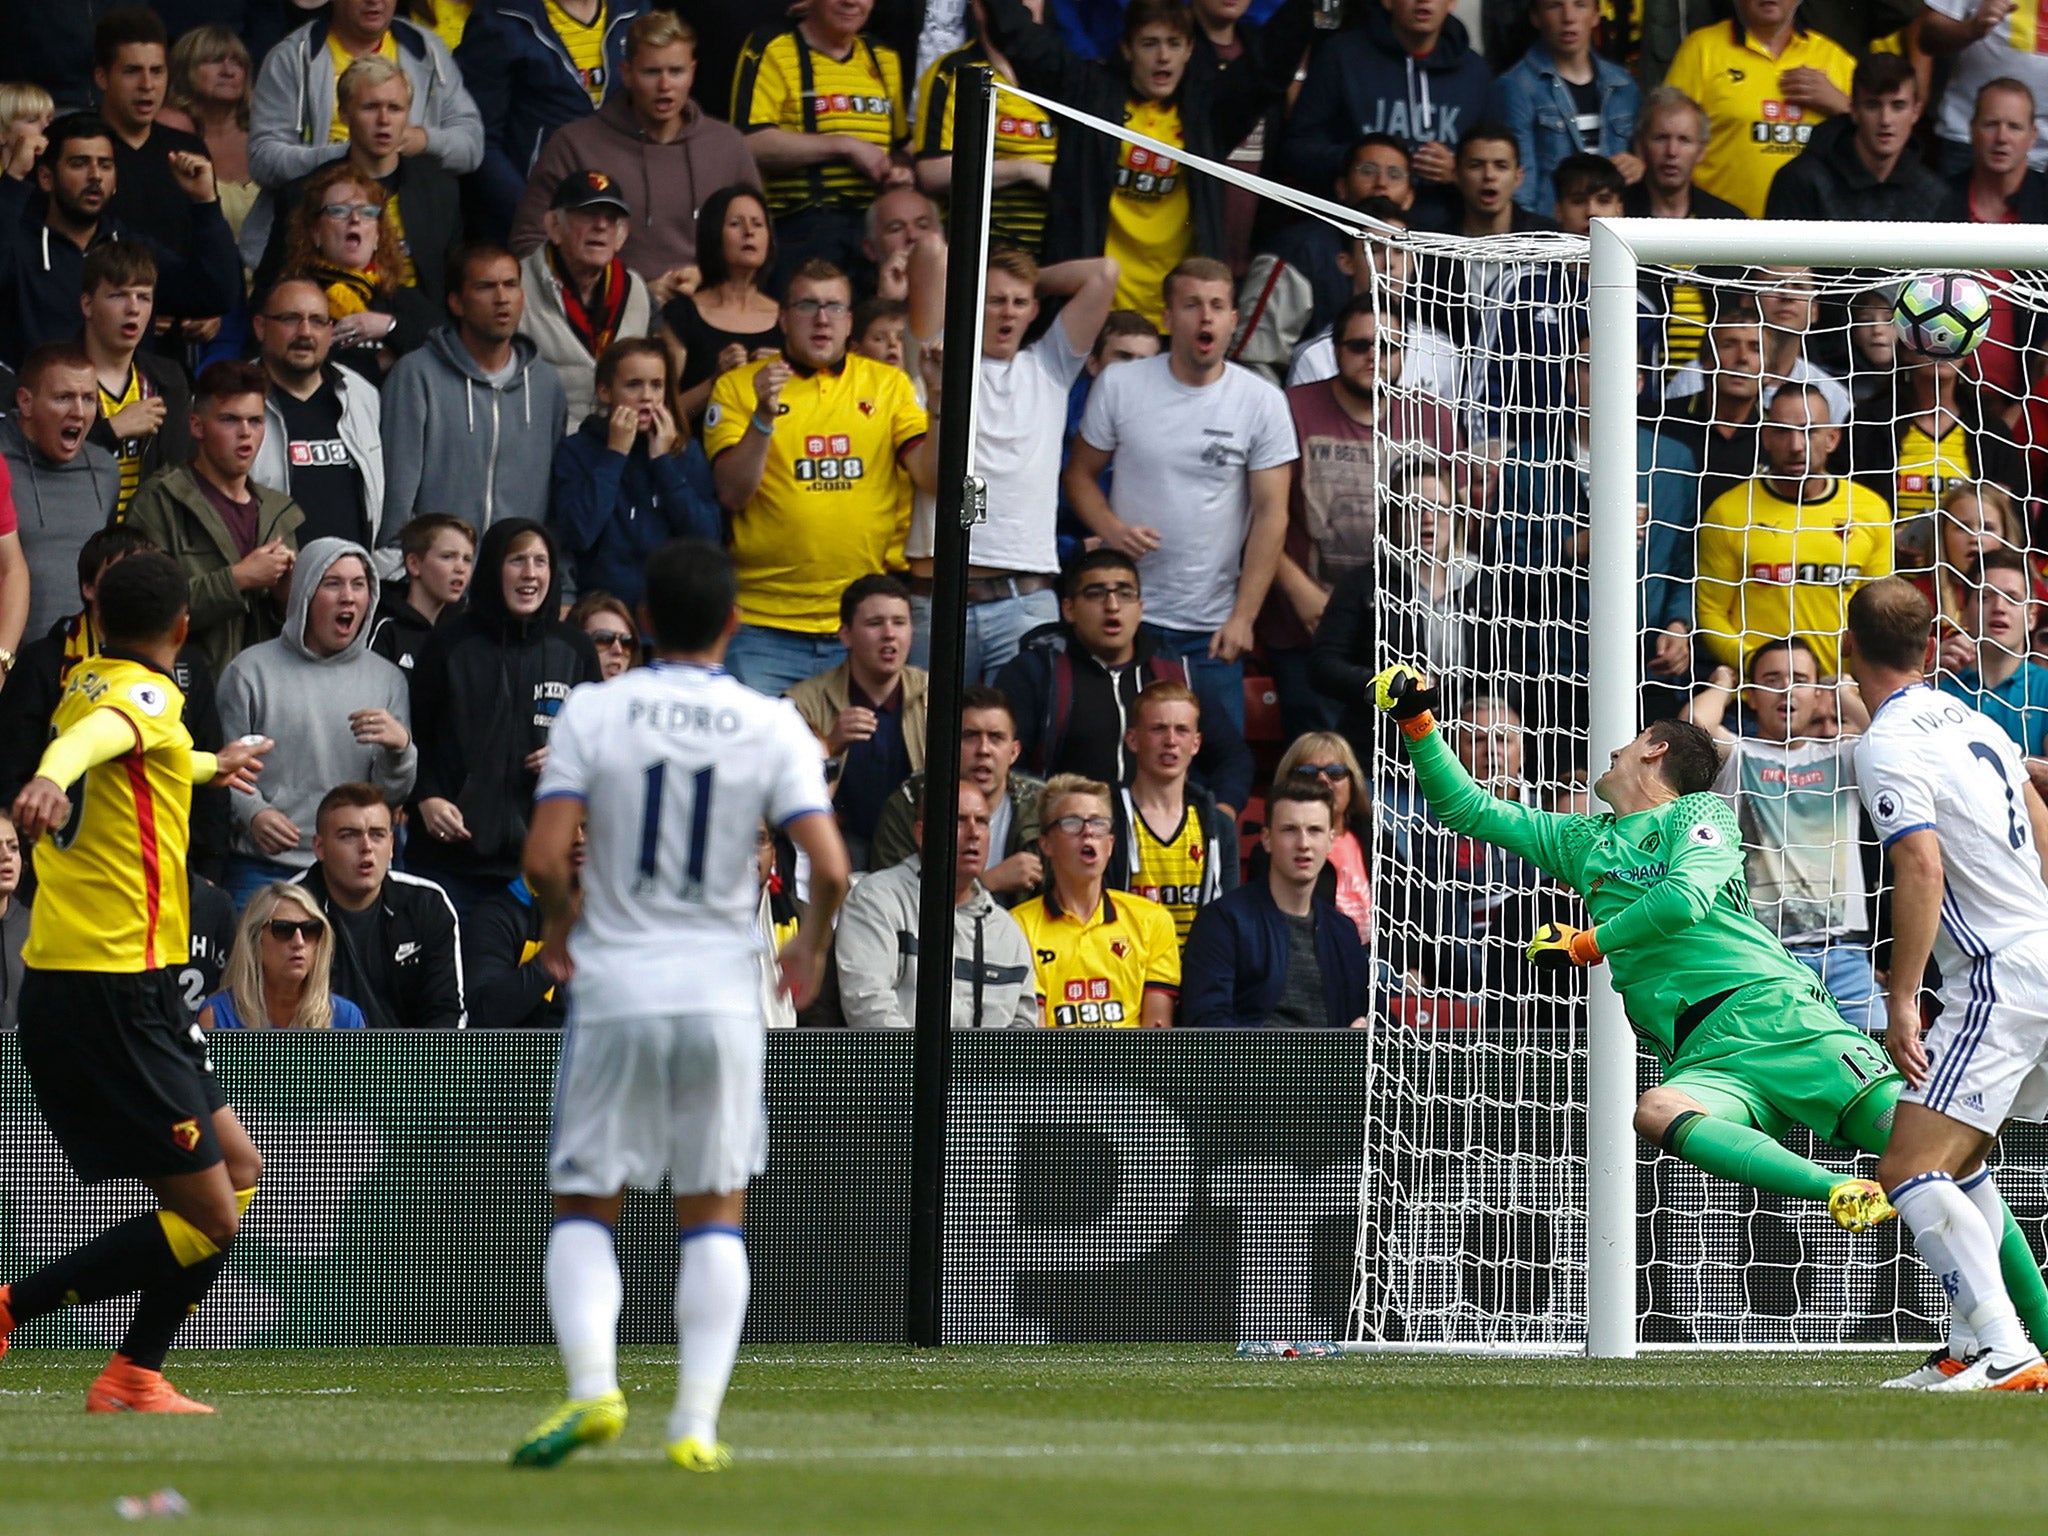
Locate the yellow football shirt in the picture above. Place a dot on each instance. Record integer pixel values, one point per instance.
(585, 44)
(1171, 870)
(1685, 328)
(451, 20)
(1097, 970)
(827, 506)
(1754, 129)
(341, 58)
(1927, 467)
(111, 892)
(783, 82)
(127, 450)
(1769, 567)
(1023, 132)
(1149, 225)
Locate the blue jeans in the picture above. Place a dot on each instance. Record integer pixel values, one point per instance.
(248, 874)
(773, 661)
(1218, 684)
(1844, 968)
(994, 631)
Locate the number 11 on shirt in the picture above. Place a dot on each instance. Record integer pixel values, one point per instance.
(655, 780)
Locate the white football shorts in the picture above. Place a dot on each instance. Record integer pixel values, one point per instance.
(674, 1094)
(1988, 1052)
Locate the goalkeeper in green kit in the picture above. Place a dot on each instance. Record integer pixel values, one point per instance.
(1750, 1043)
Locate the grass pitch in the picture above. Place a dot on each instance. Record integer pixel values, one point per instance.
(1176, 1439)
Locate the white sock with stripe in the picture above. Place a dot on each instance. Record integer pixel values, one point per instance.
(1963, 1254)
(712, 1283)
(584, 1296)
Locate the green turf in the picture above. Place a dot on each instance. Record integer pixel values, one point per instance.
(1180, 1440)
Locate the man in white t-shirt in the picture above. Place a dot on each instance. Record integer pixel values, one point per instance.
(1984, 37)
(1202, 449)
(1019, 428)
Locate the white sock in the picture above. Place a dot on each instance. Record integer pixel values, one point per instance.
(1983, 1192)
(584, 1295)
(1959, 1248)
(711, 1303)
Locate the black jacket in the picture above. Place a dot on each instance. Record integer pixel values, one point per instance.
(172, 442)
(399, 633)
(487, 688)
(421, 943)
(1828, 180)
(431, 202)
(508, 986)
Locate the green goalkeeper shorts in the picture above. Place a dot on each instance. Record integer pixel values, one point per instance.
(1779, 1054)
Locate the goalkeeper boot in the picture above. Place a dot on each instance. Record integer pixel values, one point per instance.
(1936, 1368)
(1984, 1372)
(124, 1387)
(578, 1422)
(1859, 1204)
(694, 1455)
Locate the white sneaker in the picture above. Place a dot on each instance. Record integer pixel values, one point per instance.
(1931, 1372)
(1983, 1373)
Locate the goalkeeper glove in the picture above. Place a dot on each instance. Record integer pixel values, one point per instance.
(1559, 946)
(1401, 693)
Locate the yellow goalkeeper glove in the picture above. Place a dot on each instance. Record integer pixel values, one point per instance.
(1401, 692)
(1559, 946)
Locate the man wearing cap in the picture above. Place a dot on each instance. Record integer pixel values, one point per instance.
(580, 297)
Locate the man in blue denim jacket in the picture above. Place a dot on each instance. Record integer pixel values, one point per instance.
(1562, 99)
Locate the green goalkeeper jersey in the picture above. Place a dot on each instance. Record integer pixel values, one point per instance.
(1664, 887)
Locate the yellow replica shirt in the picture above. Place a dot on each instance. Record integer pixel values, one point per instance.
(342, 58)
(1023, 132)
(1685, 328)
(585, 45)
(451, 20)
(1170, 870)
(1754, 129)
(1098, 970)
(1149, 227)
(111, 884)
(1927, 467)
(127, 450)
(783, 82)
(1769, 567)
(827, 506)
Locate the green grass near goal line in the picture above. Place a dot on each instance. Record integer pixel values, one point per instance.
(1179, 1440)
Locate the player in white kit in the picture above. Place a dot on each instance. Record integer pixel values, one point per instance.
(671, 768)
(1948, 793)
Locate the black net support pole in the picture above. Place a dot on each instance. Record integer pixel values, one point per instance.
(958, 505)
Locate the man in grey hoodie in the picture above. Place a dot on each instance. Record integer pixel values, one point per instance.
(64, 486)
(472, 418)
(338, 713)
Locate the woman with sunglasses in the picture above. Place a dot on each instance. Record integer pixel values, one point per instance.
(612, 629)
(277, 975)
(1324, 757)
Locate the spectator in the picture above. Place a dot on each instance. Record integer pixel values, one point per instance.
(659, 147)
(1938, 433)
(878, 327)
(1859, 166)
(42, 250)
(1561, 98)
(1272, 953)
(729, 321)
(198, 512)
(1718, 423)
(876, 942)
(988, 754)
(26, 112)
(1990, 665)
(504, 980)
(1988, 40)
(1014, 558)
(825, 114)
(278, 975)
(1430, 363)
(803, 451)
(1025, 140)
(1789, 300)
(891, 225)
(612, 629)
(1410, 71)
(1765, 83)
(869, 711)
(337, 712)
(1671, 138)
(1073, 685)
(212, 80)
(213, 941)
(1100, 958)
(1784, 553)
(63, 486)
(472, 419)
(397, 946)
(1173, 844)
(1322, 757)
(439, 552)
(580, 297)
(144, 404)
(1200, 496)
(2000, 187)
(14, 921)
(343, 236)
(533, 67)
(1973, 521)
(1487, 172)
(296, 125)
(1795, 795)
(484, 694)
(628, 479)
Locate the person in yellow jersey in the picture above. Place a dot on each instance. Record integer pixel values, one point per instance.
(120, 1075)
(1173, 844)
(1782, 554)
(145, 404)
(1025, 139)
(1765, 83)
(1116, 198)
(1940, 432)
(1100, 956)
(803, 450)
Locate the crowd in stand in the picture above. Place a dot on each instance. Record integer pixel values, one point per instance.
(410, 327)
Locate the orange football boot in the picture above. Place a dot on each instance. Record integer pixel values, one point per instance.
(124, 1387)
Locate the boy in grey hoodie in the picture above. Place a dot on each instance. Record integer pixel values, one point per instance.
(337, 712)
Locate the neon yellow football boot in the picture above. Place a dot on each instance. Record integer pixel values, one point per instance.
(578, 1422)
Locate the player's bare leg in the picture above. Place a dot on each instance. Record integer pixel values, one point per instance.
(585, 1294)
(1740, 1153)
(712, 1284)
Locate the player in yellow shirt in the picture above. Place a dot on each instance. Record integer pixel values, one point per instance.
(1782, 554)
(1025, 146)
(803, 449)
(1764, 81)
(1176, 847)
(120, 1077)
(1101, 957)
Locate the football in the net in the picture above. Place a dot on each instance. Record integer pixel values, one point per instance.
(1944, 315)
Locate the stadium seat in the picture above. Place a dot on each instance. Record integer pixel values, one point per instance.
(1262, 712)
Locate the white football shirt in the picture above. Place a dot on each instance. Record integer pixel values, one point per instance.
(1931, 761)
(677, 767)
